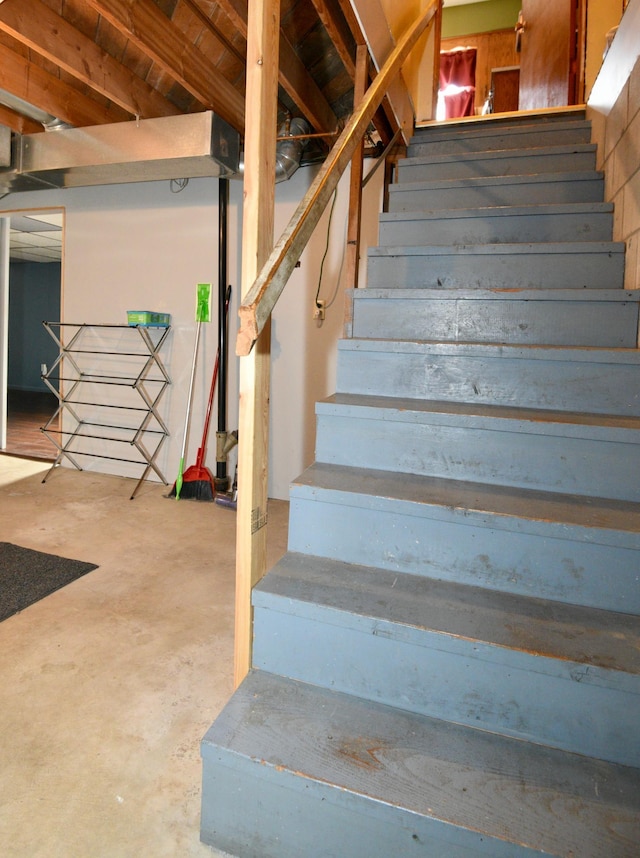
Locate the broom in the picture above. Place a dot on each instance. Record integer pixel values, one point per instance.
(197, 481)
(182, 486)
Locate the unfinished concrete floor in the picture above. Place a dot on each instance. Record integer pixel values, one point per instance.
(108, 685)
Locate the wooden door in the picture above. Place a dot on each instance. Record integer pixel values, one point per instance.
(548, 45)
(505, 84)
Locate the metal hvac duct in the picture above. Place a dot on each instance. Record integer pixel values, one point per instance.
(289, 152)
(170, 147)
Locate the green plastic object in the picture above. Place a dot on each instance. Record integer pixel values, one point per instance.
(203, 308)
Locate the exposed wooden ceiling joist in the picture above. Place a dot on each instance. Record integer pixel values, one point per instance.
(303, 91)
(339, 33)
(34, 24)
(150, 29)
(33, 84)
(293, 77)
(103, 61)
(18, 122)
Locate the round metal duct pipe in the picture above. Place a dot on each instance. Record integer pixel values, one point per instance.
(289, 152)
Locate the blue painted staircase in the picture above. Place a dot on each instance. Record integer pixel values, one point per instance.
(447, 660)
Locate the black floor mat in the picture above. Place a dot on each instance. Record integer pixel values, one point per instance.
(26, 576)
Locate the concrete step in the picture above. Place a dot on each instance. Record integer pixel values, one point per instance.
(508, 162)
(499, 225)
(554, 451)
(538, 189)
(604, 381)
(606, 318)
(558, 675)
(565, 548)
(567, 265)
(459, 139)
(290, 770)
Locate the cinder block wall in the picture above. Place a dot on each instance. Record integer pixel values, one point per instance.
(617, 133)
(619, 155)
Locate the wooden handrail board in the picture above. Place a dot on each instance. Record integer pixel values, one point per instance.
(259, 302)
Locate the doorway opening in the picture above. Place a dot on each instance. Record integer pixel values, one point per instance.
(31, 288)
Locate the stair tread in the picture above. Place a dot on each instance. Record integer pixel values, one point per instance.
(546, 248)
(459, 612)
(583, 354)
(501, 123)
(499, 211)
(495, 154)
(481, 181)
(504, 788)
(457, 293)
(475, 590)
(413, 410)
(603, 520)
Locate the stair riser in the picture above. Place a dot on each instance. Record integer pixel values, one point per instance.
(545, 559)
(524, 269)
(411, 170)
(506, 691)
(296, 767)
(470, 194)
(510, 453)
(427, 143)
(254, 811)
(497, 319)
(485, 228)
(556, 384)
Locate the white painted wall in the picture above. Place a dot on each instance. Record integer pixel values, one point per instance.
(142, 247)
(304, 352)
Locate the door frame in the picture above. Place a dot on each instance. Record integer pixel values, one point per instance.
(5, 277)
(5, 252)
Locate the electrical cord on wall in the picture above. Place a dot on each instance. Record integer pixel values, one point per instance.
(324, 256)
(177, 185)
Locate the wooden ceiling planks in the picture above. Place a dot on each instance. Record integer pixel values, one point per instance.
(95, 61)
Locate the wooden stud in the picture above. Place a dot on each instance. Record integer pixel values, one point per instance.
(352, 259)
(263, 33)
(259, 302)
(293, 75)
(5, 244)
(437, 29)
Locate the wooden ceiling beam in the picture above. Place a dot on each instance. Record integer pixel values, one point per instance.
(293, 75)
(36, 25)
(236, 12)
(17, 122)
(334, 22)
(152, 32)
(303, 90)
(208, 23)
(352, 21)
(51, 95)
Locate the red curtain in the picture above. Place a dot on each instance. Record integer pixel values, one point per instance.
(458, 81)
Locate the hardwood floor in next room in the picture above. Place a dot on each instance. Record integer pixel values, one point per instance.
(27, 411)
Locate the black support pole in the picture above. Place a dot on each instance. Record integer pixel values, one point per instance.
(222, 480)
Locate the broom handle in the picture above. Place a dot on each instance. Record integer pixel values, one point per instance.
(207, 419)
(205, 433)
(191, 386)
